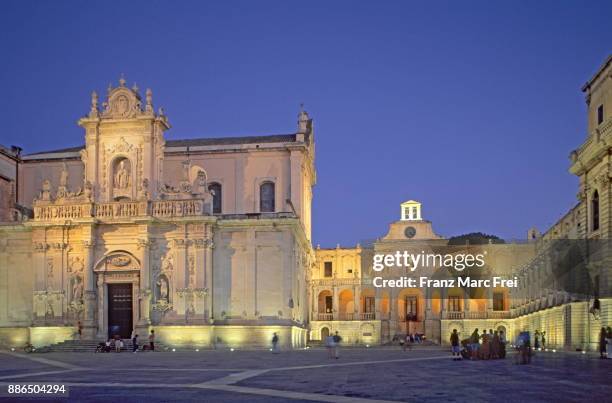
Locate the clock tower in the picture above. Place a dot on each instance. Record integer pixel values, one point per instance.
(411, 225)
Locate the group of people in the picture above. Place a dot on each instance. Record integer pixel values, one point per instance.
(491, 345)
(116, 343)
(605, 342)
(332, 343)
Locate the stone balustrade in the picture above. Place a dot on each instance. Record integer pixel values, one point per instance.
(120, 210)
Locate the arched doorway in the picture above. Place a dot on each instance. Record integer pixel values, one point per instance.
(118, 282)
(324, 333)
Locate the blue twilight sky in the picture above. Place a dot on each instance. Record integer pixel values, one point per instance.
(470, 107)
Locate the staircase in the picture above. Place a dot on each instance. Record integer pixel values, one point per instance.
(89, 346)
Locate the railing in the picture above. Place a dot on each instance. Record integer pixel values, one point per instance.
(453, 315)
(499, 314)
(477, 315)
(325, 316)
(346, 316)
(120, 209)
(367, 316)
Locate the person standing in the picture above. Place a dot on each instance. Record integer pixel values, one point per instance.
(152, 340)
(134, 342)
(80, 329)
(275, 344)
(455, 348)
(337, 340)
(536, 342)
(602, 343)
(329, 344)
(474, 340)
(609, 342)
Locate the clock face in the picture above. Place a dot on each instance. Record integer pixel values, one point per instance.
(410, 232)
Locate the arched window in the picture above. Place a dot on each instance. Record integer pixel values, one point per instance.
(595, 211)
(266, 197)
(215, 189)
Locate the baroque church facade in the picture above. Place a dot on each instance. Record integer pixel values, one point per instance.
(208, 241)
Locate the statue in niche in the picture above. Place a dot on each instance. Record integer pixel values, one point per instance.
(77, 288)
(162, 289)
(122, 176)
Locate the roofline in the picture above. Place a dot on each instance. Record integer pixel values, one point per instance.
(209, 141)
(595, 76)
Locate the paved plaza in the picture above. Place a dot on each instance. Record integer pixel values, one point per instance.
(360, 375)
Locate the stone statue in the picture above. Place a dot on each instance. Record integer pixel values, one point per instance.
(143, 194)
(200, 185)
(162, 285)
(64, 176)
(149, 100)
(122, 177)
(303, 119)
(88, 191)
(77, 288)
(45, 193)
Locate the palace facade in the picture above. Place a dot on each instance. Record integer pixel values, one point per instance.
(564, 275)
(208, 241)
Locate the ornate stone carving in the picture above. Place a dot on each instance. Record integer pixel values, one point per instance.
(120, 260)
(76, 265)
(192, 272)
(122, 146)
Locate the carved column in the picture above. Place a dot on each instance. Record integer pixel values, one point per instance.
(336, 304)
(208, 279)
(357, 307)
(180, 246)
(466, 301)
(377, 300)
(89, 277)
(102, 328)
(144, 293)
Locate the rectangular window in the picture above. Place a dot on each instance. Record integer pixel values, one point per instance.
(329, 303)
(328, 269)
(414, 213)
(406, 213)
(600, 115)
(498, 301)
(368, 304)
(411, 307)
(454, 304)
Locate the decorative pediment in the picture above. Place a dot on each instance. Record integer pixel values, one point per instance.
(122, 103)
(118, 261)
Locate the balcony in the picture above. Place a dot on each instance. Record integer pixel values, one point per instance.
(345, 316)
(476, 315)
(120, 210)
(325, 316)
